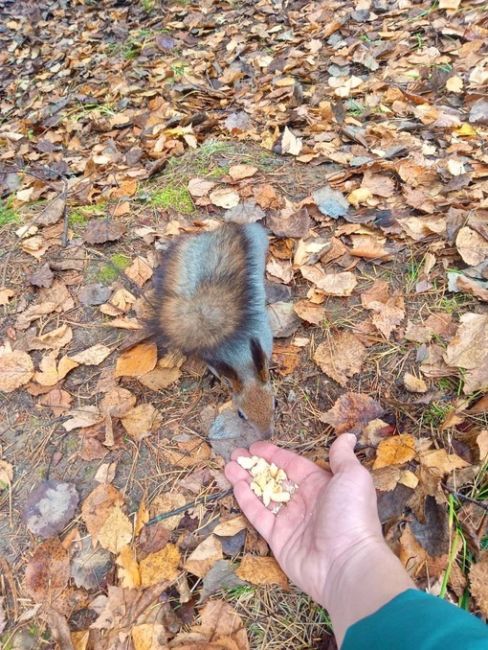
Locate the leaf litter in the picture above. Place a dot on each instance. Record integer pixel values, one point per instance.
(357, 136)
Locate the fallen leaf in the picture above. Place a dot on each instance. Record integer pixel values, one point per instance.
(280, 269)
(441, 460)
(238, 172)
(100, 231)
(55, 339)
(149, 636)
(267, 197)
(359, 196)
(262, 571)
(478, 580)
(49, 507)
(472, 247)
(290, 143)
(85, 416)
(332, 284)
(6, 474)
(386, 478)
(94, 294)
(388, 311)
(16, 370)
(128, 568)
(468, 350)
(90, 566)
(137, 361)
(221, 627)
(43, 277)
(167, 502)
(449, 4)
(51, 372)
(331, 203)
(116, 530)
(395, 450)
(292, 224)
(5, 295)
(206, 554)
(221, 576)
(283, 320)
(47, 573)
(230, 526)
(117, 402)
(245, 212)
(307, 311)
(199, 187)
(351, 412)
(105, 473)
(415, 558)
(341, 357)
(53, 212)
(160, 378)
(378, 184)
(141, 421)
(286, 359)
(162, 565)
(187, 453)
(139, 271)
(97, 506)
(92, 356)
(224, 197)
(414, 384)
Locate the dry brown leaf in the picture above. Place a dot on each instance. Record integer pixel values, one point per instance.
(482, 442)
(388, 311)
(238, 172)
(167, 502)
(332, 284)
(267, 197)
(386, 478)
(128, 568)
(52, 372)
(281, 269)
(286, 358)
(472, 247)
(341, 357)
(442, 461)
(16, 370)
(116, 530)
(230, 527)
(141, 421)
(137, 361)
(5, 295)
(80, 639)
(92, 356)
(221, 629)
(351, 412)
(478, 580)
(149, 636)
(416, 560)
(160, 378)
(395, 450)
(261, 571)
(58, 400)
(187, 453)
(310, 312)
(139, 271)
(142, 517)
(379, 184)
(47, 573)
(97, 506)
(371, 247)
(199, 187)
(206, 554)
(117, 402)
(414, 384)
(359, 196)
(224, 197)
(85, 416)
(162, 565)
(290, 143)
(55, 339)
(468, 350)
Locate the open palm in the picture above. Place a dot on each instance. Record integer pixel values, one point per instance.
(331, 516)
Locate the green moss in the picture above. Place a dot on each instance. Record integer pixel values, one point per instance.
(435, 415)
(7, 213)
(175, 198)
(79, 216)
(110, 271)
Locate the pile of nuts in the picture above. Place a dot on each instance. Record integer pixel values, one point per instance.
(270, 483)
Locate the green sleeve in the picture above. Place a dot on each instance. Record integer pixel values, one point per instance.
(414, 620)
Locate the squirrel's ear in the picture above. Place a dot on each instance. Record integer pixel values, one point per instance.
(231, 375)
(260, 361)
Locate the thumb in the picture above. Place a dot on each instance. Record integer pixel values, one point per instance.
(341, 454)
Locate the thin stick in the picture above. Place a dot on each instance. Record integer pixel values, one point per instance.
(182, 509)
(463, 497)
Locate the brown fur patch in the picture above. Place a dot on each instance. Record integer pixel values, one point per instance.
(256, 400)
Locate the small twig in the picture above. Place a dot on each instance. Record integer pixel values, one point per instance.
(463, 497)
(64, 194)
(182, 509)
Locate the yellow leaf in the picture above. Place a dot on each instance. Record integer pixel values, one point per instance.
(142, 517)
(454, 84)
(5, 295)
(465, 130)
(116, 531)
(128, 572)
(414, 384)
(187, 453)
(395, 451)
(162, 565)
(92, 356)
(238, 172)
(359, 196)
(262, 571)
(80, 639)
(149, 636)
(231, 526)
(16, 369)
(137, 361)
(167, 502)
(441, 460)
(141, 421)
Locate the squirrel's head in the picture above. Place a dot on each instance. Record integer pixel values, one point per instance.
(253, 397)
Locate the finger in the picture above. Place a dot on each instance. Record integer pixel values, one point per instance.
(296, 467)
(260, 517)
(341, 454)
(240, 451)
(234, 473)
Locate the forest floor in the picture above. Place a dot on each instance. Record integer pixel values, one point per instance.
(356, 133)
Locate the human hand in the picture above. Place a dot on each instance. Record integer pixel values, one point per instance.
(331, 517)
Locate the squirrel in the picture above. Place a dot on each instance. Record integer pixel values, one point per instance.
(209, 303)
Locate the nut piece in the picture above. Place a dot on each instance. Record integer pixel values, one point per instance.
(270, 483)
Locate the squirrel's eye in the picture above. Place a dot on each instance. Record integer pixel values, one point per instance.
(241, 414)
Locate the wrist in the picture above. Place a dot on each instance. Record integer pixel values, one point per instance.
(360, 581)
